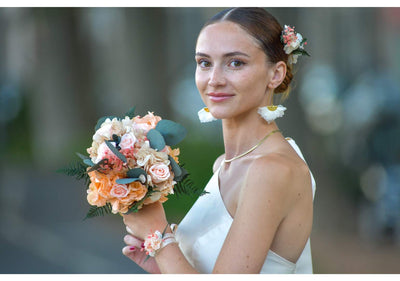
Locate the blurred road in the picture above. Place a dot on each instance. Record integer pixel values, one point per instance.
(42, 228)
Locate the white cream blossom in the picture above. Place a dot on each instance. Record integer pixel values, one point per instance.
(205, 115)
(270, 113)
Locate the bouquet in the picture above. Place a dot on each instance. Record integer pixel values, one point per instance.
(131, 163)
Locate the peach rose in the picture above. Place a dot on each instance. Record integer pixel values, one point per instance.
(119, 190)
(147, 122)
(136, 192)
(159, 172)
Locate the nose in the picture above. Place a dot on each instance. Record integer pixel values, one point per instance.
(216, 77)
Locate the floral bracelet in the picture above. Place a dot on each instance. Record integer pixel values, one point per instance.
(156, 241)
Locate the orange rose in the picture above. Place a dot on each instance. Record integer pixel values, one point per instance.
(174, 153)
(147, 122)
(95, 199)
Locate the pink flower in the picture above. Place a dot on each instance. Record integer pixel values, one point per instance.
(159, 172)
(128, 141)
(103, 152)
(119, 190)
(152, 243)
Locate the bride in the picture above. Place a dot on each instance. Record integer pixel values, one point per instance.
(257, 216)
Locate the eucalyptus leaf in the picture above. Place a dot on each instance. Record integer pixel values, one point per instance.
(131, 112)
(300, 52)
(88, 162)
(175, 167)
(116, 152)
(182, 175)
(172, 132)
(97, 166)
(116, 138)
(156, 139)
(126, 180)
(101, 121)
(135, 173)
(83, 157)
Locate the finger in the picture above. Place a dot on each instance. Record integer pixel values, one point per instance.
(133, 241)
(129, 251)
(129, 230)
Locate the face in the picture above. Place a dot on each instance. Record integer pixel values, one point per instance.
(232, 73)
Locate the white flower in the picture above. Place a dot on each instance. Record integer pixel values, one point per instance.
(153, 243)
(102, 152)
(292, 59)
(128, 141)
(127, 123)
(205, 115)
(270, 113)
(107, 129)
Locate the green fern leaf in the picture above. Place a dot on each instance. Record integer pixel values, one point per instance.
(95, 211)
(77, 170)
(185, 186)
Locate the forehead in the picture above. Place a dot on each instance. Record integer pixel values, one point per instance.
(226, 36)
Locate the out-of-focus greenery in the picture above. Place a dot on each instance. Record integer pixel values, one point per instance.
(199, 164)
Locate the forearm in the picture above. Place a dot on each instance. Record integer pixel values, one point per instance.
(171, 260)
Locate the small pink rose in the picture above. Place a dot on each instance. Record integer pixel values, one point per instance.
(119, 191)
(159, 172)
(127, 141)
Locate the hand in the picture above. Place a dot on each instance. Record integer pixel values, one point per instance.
(149, 219)
(133, 251)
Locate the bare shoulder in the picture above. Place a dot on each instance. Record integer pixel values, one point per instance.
(218, 162)
(274, 175)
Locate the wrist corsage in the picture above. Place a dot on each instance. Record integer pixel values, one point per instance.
(156, 241)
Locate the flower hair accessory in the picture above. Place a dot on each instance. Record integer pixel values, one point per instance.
(271, 112)
(293, 44)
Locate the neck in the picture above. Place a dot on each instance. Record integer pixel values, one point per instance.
(244, 132)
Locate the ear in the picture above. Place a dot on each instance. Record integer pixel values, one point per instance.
(278, 75)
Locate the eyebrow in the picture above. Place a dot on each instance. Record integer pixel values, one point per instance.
(231, 54)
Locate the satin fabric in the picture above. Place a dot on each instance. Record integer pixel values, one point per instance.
(203, 230)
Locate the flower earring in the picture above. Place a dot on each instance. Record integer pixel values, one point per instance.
(205, 115)
(271, 112)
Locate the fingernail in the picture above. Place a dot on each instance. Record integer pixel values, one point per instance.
(133, 248)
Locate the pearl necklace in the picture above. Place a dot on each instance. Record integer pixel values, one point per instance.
(251, 149)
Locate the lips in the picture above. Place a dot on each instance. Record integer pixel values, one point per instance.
(219, 97)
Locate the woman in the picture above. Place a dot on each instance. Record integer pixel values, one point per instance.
(257, 216)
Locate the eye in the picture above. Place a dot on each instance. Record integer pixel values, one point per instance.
(236, 63)
(203, 63)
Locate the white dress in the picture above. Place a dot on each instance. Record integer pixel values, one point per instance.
(203, 230)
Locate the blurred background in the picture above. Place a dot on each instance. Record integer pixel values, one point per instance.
(63, 68)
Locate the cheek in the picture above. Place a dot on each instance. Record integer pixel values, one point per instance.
(201, 81)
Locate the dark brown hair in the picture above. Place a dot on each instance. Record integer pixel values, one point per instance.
(266, 30)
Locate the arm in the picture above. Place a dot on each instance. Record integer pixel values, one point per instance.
(170, 259)
(260, 210)
(264, 201)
